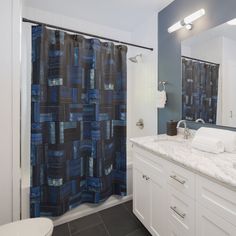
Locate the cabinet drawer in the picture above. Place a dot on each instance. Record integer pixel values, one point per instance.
(174, 230)
(181, 179)
(217, 198)
(208, 223)
(181, 212)
(140, 163)
(148, 156)
(150, 170)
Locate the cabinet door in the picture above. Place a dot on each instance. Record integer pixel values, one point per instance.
(141, 196)
(208, 223)
(150, 194)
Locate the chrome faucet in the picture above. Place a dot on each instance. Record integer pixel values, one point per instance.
(180, 122)
(200, 120)
(186, 130)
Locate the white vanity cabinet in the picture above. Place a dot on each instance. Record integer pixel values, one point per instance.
(173, 201)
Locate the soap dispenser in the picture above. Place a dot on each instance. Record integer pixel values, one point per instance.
(171, 129)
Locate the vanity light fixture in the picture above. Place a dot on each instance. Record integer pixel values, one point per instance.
(232, 22)
(187, 21)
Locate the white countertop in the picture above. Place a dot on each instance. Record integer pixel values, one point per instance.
(221, 167)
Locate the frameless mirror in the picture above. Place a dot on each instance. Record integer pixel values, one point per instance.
(209, 76)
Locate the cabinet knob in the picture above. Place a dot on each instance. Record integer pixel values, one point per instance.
(146, 177)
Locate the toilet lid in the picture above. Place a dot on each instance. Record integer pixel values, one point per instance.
(28, 227)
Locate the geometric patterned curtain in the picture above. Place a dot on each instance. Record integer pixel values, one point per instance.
(199, 90)
(78, 121)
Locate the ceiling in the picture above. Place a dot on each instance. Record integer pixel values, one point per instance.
(119, 14)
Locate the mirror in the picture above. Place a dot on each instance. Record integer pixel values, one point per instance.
(209, 76)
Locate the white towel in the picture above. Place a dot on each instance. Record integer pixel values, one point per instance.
(227, 137)
(161, 99)
(206, 144)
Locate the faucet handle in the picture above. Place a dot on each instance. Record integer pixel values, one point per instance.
(187, 133)
(140, 124)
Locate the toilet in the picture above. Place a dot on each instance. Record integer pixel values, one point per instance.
(28, 227)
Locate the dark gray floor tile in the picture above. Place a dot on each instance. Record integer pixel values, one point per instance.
(98, 230)
(129, 206)
(118, 221)
(84, 223)
(140, 232)
(61, 230)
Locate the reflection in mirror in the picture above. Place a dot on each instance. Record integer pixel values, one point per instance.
(209, 76)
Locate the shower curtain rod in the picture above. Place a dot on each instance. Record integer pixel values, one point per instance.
(195, 59)
(83, 33)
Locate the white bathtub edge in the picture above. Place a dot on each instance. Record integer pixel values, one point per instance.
(87, 209)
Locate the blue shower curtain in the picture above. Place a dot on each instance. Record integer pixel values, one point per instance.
(78, 121)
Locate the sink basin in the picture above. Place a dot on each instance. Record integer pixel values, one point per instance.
(234, 165)
(170, 141)
(173, 145)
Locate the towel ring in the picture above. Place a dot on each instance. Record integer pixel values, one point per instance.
(163, 83)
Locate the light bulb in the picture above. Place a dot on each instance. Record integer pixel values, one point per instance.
(175, 27)
(232, 22)
(191, 18)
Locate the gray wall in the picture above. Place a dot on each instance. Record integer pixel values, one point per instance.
(169, 47)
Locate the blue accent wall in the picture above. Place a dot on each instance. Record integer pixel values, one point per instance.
(169, 47)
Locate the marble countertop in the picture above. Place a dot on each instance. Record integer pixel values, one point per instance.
(220, 167)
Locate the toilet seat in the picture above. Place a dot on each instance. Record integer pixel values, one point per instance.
(28, 227)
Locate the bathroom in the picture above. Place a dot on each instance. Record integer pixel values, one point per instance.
(170, 177)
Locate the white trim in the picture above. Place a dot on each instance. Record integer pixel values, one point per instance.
(16, 65)
(87, 209)
(25, 120)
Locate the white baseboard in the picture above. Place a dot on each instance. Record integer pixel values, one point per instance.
(87, 209)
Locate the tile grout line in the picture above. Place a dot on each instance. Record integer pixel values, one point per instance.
(132, 214)
(85, 228)
(68, 225)
(132, 232)
(104, 224)
(106, 229)
(126, 208)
